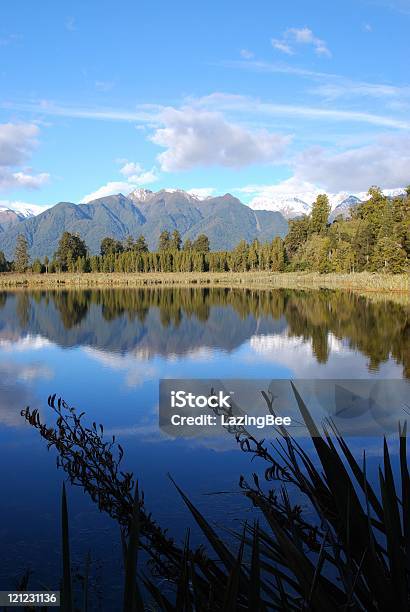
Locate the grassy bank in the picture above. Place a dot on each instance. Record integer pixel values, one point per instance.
(363, 281)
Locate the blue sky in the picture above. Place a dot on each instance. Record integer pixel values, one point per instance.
(253, 98)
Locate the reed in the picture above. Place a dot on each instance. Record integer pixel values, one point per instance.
(344, 546)
(361, 281)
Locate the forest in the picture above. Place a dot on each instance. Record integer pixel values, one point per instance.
(375, 238)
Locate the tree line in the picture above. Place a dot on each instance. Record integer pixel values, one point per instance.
(376, 237)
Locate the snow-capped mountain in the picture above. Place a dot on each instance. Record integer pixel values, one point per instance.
(301, 203)
(9, 216)
(343, 209)
(140, 195)
(23, 210)
(290, 206)
(199, 195)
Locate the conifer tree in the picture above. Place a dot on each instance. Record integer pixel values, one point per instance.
(21, 256)
(175, 241)
(3, 262)
(201, 244)
(319, 215)
(164, 241)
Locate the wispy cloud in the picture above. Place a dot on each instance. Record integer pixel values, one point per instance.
(281, 45)
(247, 54)
(225, 102)
(70, 24)
(141, 113)
(104, 85)
(9, 39)
(300, 36)
(331, 85)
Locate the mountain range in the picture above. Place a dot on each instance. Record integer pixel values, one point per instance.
(296, 205)
(224, 219)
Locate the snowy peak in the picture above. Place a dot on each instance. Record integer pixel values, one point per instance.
(344, 208)
(293, 206)
(290, 206)
(10, 216)
(140, 195)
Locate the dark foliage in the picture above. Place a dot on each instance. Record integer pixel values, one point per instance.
(344, 546)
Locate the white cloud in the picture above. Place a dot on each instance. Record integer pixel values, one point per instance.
(23, 207)
(17, 142)
(104, 85)
(110, 188)
(131, 168)
(194, 137)
(281, 45)
(305, 36)
(300, 36)
(247, 54)
(385, 162)
(135, 177)
(288, 188)
(202, 192)
(31, 181)
(144, 178)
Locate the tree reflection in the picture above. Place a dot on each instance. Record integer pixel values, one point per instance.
(226, 317)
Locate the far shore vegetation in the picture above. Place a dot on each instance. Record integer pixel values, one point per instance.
(370, 283)
(369, 250)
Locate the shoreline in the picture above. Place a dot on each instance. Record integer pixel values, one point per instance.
(361, 281)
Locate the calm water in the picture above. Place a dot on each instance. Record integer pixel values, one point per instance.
(104, 351)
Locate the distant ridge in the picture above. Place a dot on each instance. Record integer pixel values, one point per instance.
(293, 206)
(224, 219)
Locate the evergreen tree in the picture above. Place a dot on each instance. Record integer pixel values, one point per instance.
(3, 262)
(141, 245)
(37, 267)
(110, 245)
(187, 245)
(164, 241)
(70, 248)
(253, 258)
(277, 255)
(296, 236)
(129, 243)
(21, 256)
(319, 215)
(175, 242)
(201, 244)
(388, 256)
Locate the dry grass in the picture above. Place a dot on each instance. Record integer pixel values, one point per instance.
(362, 281)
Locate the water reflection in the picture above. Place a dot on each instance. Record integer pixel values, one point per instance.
(104, 351)
(178, 321)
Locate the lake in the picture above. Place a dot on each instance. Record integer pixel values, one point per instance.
(104, 352)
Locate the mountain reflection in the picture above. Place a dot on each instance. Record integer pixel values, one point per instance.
(168, 321)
